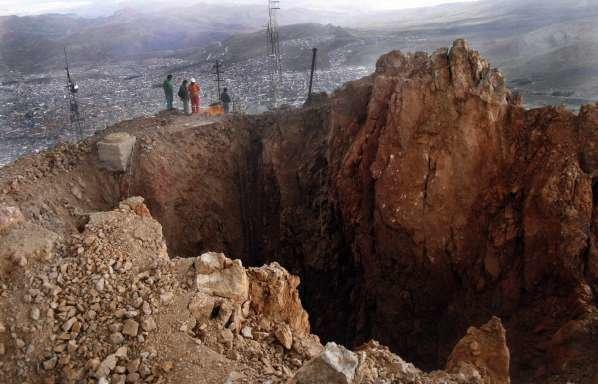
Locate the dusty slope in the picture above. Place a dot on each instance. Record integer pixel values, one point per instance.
(109, 306)
(412, 204)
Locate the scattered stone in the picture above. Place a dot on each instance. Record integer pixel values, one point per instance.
(234, 377)
(336, 365)
(93, 364)
(274, 294)
(146, 308)
(122, 352)
(118, 379)
(284, 335)
(167, 366)
(117, 338)
(296, 362)
(226, 335)
(71, 346)
(148, 324)
(35, 313)
(76, 191)
(166, 298)
(50, 363)
(130, 328)
(133, 365)
(201, 306)
(115, 327)
(106, 366)
(91, 314)
(69, 324)
(100, 284)
(246, 332)
(136, 204)
(209, 262)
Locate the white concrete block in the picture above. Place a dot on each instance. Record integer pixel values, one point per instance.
(115, 151)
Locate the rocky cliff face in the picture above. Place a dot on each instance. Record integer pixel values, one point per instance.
(461, 204)
(412, 204)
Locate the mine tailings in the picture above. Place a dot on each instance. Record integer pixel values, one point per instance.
(412, 203)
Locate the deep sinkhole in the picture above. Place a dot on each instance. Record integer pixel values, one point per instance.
(261, 193)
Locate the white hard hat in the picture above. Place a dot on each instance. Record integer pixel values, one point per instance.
(193, 79)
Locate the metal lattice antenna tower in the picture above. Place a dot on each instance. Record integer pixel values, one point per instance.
(217, 70)
(75, 117)
(273, 46)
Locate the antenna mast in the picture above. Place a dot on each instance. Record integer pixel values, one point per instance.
(273, 46)
(218, 78)
(313, 70)
(76, 120)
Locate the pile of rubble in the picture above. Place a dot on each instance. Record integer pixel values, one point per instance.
(109, 306)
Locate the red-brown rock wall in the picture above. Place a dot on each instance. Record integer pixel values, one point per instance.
(460, 204)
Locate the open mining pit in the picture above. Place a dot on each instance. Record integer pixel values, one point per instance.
(412, 204)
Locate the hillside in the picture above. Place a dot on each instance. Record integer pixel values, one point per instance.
(35, 44)
(297, 41)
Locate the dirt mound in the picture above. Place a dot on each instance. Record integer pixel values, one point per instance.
(411, 204)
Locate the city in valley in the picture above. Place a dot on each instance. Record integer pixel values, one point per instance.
(34, 109)
(120, 59)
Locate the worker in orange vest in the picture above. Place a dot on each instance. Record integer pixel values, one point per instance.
(195, 92)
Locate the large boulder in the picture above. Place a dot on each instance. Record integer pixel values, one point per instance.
(335, 365)
(220, 276)
(483, 350)
(274, 293)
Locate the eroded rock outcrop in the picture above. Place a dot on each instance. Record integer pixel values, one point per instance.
(274, 292)
(459, 203)
(483, 350)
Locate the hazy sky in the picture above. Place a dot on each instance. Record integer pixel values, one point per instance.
(29, 7)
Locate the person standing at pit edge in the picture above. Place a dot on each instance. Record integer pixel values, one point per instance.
(194, 92)
(184, 96)
(226, 100)
(168, 92)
